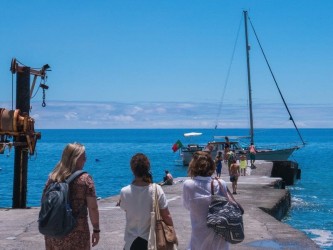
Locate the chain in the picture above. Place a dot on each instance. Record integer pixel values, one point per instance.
(43, 103)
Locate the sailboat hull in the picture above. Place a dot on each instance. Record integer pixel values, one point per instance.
(275, 155)
(262, 154)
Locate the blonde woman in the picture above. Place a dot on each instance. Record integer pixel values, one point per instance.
(82, 198)
(196, 199)
(137, 201)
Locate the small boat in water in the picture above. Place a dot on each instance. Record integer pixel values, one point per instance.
(219, 143)
(187, 151)
(236, 145)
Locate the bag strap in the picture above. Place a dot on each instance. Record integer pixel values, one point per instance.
(74, 175)
(220, 185)
(69, 179)
(212, 187)
(227, 193)
(157, 207)
(153, 197)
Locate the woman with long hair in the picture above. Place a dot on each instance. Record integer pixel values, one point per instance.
(196, 199)
(137, 201)
(82, 199)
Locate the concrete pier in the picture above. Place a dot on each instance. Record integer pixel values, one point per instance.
(264, 205)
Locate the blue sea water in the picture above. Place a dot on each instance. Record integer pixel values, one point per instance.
(109, 153)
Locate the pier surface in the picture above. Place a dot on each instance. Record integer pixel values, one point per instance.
(256, 193)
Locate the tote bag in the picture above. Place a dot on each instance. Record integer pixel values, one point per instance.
(164, 236)
(225, 216)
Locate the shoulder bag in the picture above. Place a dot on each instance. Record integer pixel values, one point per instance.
(166, 238)
(225, 216)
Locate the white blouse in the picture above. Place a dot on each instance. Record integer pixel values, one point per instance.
(196, 199)
(137, 202)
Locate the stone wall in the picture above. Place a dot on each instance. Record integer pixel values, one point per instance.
(287, 170)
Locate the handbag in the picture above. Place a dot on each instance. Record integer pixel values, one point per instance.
(225, 216)
(166, 238)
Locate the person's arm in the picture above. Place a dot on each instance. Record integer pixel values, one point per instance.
(121, 202)
(166, 216)
(94, 219)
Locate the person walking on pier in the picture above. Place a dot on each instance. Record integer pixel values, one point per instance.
(242, 164)
(234, 174)
(231, 157)
(82, 196)
(136, 200)
(196, 199)
(253, 152)
(218, 163)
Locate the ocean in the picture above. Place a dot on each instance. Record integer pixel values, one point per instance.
(109, 152)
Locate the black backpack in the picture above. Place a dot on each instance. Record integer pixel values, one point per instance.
(55, 216)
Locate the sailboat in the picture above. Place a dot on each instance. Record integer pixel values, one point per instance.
(268, 154)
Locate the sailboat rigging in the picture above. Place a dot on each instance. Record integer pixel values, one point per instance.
(262, 154)
(249, 78)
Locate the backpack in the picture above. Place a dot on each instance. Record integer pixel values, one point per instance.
(231, 157)
(55, 216)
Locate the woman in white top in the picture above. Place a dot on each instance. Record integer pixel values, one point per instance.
(137, 201)
(197, 197)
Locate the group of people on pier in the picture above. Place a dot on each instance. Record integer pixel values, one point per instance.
(229, 158)
(136, 200)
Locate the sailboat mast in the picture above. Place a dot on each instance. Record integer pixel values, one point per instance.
(248, 76)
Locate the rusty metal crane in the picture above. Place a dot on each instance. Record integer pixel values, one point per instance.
(17, 127)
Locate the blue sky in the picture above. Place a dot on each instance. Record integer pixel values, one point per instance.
(164, 64)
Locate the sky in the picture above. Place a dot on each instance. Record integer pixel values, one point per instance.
(171, 64)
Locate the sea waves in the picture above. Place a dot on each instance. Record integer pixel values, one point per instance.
(323, 238)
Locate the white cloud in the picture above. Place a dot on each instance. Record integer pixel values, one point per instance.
(161, 110)
(122, 118)
(35, 116)
(135, 110)
(71, 116)
(93, 115)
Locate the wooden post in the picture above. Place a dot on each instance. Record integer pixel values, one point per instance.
(21, 153)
